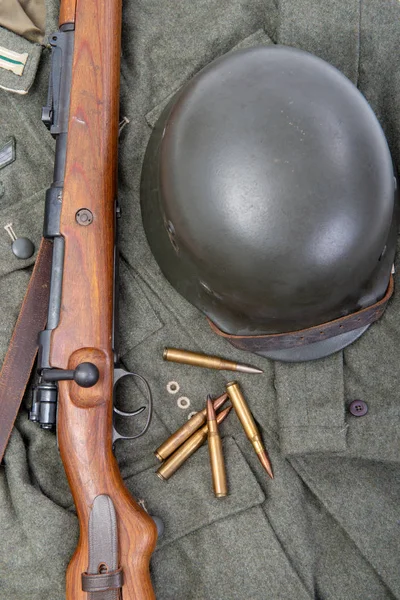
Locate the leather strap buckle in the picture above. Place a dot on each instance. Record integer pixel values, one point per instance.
(102, 582)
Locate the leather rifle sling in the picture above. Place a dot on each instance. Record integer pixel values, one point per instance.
(23, 347)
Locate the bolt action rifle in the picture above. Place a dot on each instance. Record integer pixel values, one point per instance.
(77, 362)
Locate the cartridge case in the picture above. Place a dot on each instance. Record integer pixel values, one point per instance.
(184, 432)
(217, 462)
(197, 359)
(188, 448)
(246, 418)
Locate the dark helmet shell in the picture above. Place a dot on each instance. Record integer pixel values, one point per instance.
(268, 196)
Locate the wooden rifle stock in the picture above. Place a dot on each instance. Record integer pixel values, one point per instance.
(67, 12)
(84, 331)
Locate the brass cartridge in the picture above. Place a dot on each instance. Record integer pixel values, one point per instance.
(188, 448)
(184, 432)
(216, 455)
(246, 418)
(203, 360)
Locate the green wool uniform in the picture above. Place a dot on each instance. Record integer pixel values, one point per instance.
(327, 526)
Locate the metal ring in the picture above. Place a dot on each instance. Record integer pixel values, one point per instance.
(173, 387)
(183, 402)
(191, 414)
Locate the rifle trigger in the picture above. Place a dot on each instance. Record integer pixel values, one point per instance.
(129, 414)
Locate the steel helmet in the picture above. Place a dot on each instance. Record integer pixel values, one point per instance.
(268, 201)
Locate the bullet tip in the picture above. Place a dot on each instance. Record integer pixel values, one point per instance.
(218, 402)
(221, 416)
(247, 369)
(264, 460)
(210, 409)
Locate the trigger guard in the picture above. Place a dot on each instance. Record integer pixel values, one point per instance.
(118, 375)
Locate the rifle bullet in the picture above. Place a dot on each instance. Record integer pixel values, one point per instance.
(204, 360)
(246, 418)
(188, 448)
(216, 455)
(183, 433)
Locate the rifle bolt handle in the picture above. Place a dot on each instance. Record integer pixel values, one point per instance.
(85, 375)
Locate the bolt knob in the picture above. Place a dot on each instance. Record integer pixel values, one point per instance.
(86, 374)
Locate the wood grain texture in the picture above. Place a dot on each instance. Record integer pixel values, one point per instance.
(84, 332)
(67, 12)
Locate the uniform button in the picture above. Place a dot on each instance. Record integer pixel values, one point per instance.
(358, 408)
(23, 248)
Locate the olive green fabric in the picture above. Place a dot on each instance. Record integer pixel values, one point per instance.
(22, 27)
(327, 526)
(24, 17)
(28, 55)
